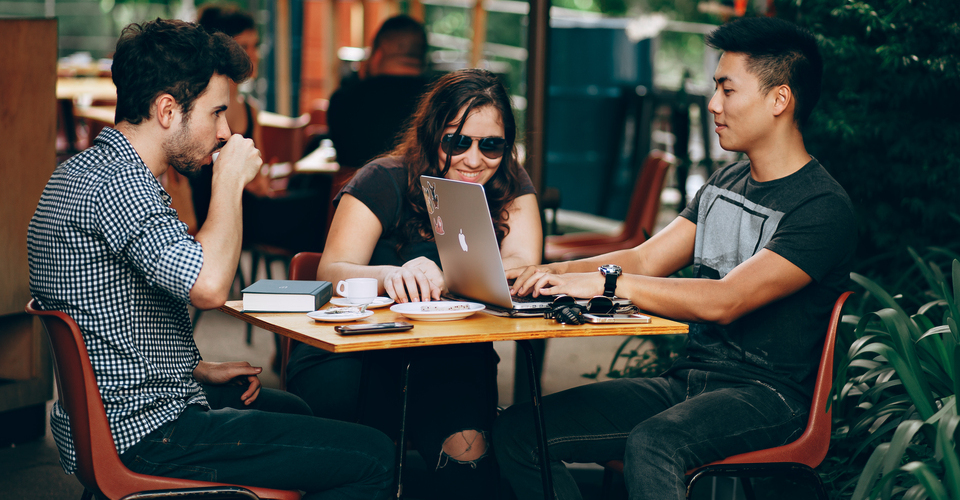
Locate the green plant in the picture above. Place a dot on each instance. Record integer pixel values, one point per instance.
(895, 408)
(891, 70)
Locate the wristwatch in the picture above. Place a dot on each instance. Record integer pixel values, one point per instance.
(611, 272)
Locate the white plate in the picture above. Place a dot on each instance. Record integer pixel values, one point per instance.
(415, 310)
(330, 316)
(377, 302)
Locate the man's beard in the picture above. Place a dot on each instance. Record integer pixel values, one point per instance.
(185, 156)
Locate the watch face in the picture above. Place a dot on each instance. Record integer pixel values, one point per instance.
(611, 269)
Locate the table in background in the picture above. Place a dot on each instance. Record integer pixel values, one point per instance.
(480, 327)
(74, 92)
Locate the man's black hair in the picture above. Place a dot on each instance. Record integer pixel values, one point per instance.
(402, 36)
(170, 57)
(778, 53)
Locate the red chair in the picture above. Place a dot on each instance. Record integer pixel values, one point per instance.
(99, 468)
(797, 459)
(641, 217)
(303, 266)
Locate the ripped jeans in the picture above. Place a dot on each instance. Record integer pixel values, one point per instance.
(660, 427)
(452, 389)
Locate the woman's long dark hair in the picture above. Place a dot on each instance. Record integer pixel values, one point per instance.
(469, 90)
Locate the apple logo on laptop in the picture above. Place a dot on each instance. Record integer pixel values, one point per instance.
(463, 241)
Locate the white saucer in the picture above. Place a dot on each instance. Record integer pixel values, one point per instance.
(416, 310)
(377, 302)
(330, 315)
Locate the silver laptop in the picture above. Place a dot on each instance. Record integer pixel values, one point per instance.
(469, 252)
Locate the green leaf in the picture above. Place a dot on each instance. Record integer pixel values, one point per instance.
(928, 479)
(946, 448)
(875, 289)
(871, 472)
(898, 446)
(905, 361)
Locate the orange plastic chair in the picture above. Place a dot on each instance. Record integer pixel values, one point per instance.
(641, 217)
(797, 459)
(303, 266)
(99, 468)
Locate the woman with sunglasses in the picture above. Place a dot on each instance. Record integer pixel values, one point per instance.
(464, 129)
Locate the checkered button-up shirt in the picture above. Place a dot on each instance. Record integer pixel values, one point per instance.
(106, 248)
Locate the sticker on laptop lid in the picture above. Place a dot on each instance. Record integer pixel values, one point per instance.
(430, 193)
(427, 200)
(438, 225)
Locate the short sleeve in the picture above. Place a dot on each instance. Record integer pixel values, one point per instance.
(378, 186)
(817, 236)
(526, 185)
(135, 222)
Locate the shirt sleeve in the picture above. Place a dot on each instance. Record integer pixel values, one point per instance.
(526, 185)
(817, 235)
(379, 188)
(137, 223)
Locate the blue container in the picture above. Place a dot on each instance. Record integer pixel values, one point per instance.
(594, 70)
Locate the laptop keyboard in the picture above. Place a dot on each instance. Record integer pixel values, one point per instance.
(526, 299)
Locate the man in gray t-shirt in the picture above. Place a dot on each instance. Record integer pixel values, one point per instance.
(770, 240)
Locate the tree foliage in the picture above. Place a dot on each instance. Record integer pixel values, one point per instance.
(886, 125)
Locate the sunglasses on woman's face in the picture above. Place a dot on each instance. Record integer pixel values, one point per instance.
(491, 147)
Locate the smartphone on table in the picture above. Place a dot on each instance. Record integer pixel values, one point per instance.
(365, 328)
(615, 318)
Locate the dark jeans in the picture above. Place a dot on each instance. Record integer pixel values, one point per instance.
(266, 448)
(660, 427)
(452, 389)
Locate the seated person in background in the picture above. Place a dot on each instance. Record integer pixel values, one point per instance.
(106, 248)
(366, 118)
(242, 113)
(771, 240)
(382, 230)
(267, 215)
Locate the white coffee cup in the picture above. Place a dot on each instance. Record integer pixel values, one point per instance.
(358, 290)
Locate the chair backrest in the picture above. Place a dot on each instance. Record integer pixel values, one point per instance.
(303, 266)
(99, 468)
(645, 201)
(811, 447)
(281, 137)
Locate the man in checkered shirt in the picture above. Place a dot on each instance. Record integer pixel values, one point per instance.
(106, 248)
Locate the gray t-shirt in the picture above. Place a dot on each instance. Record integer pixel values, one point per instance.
(806, 218)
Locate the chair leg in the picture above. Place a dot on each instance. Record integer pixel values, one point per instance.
(748, 492)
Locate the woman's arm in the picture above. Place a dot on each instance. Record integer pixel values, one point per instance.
(523, 245)
(353, 235)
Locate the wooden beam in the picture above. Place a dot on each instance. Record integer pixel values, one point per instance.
(281, 58)
(538, 32)
(479, 33)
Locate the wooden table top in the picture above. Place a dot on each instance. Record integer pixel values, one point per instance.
(92, 87)
(480, 327)
(103, 114)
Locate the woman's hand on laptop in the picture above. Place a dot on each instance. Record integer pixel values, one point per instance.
(418, 280)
